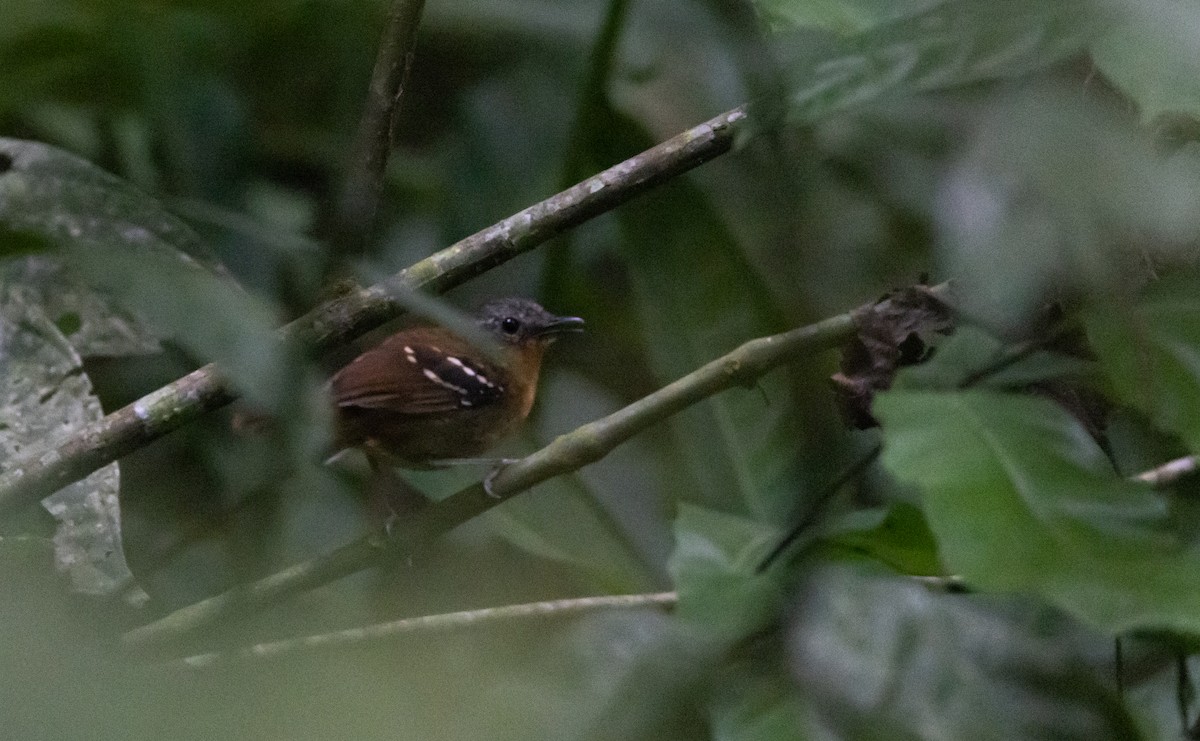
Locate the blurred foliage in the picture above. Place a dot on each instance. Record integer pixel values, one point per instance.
(167, 170)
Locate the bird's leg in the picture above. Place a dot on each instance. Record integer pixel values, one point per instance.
(497, 465)
(392, 497)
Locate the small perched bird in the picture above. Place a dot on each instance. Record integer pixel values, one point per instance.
(425, 395)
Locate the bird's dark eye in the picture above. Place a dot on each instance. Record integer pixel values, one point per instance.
(510, 325)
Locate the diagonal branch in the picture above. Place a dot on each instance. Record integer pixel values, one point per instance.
(566, 453)
(34, 477)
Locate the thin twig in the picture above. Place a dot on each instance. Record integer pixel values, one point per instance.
(817, 506)
(566, 453)
(1170, 472)
(26, 481)
(359, 198)
(434, 623)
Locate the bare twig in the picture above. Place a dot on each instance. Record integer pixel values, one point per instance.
(433, 623)
(28, 480)
(359, 197)
(1170, 472)
(568, 452)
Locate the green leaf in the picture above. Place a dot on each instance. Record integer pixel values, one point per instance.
(882, 657)
(1020, 498)
(714, 568)
(1150, 351)
(951, 44)
(897, 536)
(1153, 56)
(125, 245)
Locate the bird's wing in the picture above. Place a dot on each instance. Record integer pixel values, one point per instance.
(415, 378)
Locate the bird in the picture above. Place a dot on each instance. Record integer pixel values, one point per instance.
(425, 395)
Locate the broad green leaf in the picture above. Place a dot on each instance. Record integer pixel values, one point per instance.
(121, 242)
(1150, 351)
(883, 657)
(952, 44)
(44, 393)
(1020, 498)
(714, 567)
(1153, 55)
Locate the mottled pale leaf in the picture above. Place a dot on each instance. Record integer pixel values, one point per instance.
(124, 244)
(45, 394)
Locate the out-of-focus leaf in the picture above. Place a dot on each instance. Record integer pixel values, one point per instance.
(714, 567)
(754, 706)
(1021, 498)
(1153, 55)
(981, 359)
(699, 297)
(44, 393)
(951, 44)
(1150, 351)
(125, 245)
(1054, 195)
(886, 658)
(562, 521)
(842, 16)
(897, 536)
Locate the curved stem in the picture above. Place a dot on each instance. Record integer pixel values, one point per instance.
(359, 197)
(432, 623)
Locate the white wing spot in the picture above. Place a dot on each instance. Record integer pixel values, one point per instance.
(442, 382)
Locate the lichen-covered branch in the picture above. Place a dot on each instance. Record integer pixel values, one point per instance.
(432, 623)
(32, 478)
(569, 452)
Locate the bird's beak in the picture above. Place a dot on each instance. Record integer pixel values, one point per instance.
(561, 325)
